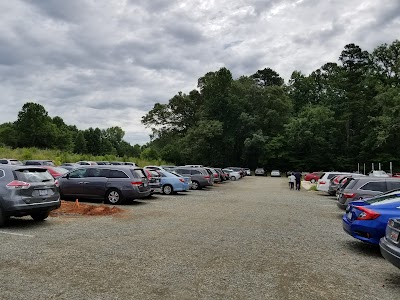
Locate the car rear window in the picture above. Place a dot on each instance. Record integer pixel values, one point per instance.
(33, 175)
(1, 173)
(117, 174)
(349, 184)
(139, 173)
(195, 172)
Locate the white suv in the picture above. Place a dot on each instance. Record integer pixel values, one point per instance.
(323, 181)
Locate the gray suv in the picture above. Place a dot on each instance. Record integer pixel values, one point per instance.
(365, 187)
(199, 176)
(26, 190)
(113, 184)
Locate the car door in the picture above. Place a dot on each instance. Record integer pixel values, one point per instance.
(94, 185)
(72, 183)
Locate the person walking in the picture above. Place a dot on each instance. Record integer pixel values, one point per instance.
(297, 176)
(292, 180)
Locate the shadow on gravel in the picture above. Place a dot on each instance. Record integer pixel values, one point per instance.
(22, 223)
(363, 248)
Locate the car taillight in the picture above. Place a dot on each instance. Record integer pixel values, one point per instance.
(207, 176)
(181, 180)
(366, 213)
(348, 195)
(16, 184)
(322, 182)
(136, 183)
(215, 175)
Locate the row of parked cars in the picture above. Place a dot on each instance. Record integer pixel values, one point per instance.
(35, 187)
(372, 208)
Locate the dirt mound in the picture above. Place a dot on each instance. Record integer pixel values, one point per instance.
(77, 208)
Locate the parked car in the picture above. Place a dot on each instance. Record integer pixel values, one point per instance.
(87, 163)
(56, 171)
(221, 174)
(323, 181)
(248, 171)
(396, 175)
(199, 176)
(39, 162)
(334, 183)
(154, 180)
(259, 172)
(113, 184)
(102, 163)
(389, 244)
(366, 219)
(171, 183)
(214, 174)
(27, 190)
(313, 177)
(275, 173)
(233, 175)
(366, 187)
(70, 166)
(378, 173)
(7, 161)
(129, 163)
(237, 169)
(344, 182)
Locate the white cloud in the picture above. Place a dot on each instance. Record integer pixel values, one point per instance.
(105, 63)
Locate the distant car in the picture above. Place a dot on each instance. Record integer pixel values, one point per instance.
(171, 183)
(56, 171)
(199, 176)
(233, 175)
(397, 175)
(6, 161)
(237, 169)
(113, 184)
(275, 173)
(27, 190)
(389, 244)
(248, 171)
(39, 162)
(129, 163)
(259, 172)
(102, 163)
(323, 181)
(87, 163)
(70, 166)
(313, 177)
(366, 187)
(378, 173)
(366, 219)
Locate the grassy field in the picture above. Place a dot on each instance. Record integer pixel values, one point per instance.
(60, 157)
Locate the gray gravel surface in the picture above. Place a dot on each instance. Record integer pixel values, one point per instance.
(250, 239)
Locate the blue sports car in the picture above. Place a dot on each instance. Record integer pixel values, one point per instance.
(366, 219)
(171, 183)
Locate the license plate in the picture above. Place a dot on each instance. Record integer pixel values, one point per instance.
(349, 215)
(42, 192)
(394, 235)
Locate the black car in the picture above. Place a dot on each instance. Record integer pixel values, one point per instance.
(389, 244)
(27, 190)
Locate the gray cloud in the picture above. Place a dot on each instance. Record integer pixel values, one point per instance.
(105, 63)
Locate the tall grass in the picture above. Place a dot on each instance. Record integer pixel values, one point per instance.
(60, 157)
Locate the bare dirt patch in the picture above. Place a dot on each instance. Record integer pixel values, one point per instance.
(80, 209)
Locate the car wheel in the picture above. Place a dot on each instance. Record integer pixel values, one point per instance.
(233, 178)
(195, 185)
(114, 196)
(40, 216)
(167, 189)
(312, 180)
(3, 218)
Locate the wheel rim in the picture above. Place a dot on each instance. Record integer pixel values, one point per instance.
(195, 186)
(167, 190)
(113, 196)
(233, 178)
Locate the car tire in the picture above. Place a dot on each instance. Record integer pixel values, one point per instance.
(3, 218)
(114, 196)
(233, 178)
(312, 180)
(195, 185)
(40, 216)
(167, 189)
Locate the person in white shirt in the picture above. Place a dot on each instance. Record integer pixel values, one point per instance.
(292, 180)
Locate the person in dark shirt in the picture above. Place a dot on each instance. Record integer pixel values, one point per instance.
(297, 175)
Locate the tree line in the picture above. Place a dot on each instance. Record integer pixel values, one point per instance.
(339, 115)
(35, 128)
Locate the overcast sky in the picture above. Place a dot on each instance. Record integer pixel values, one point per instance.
(103, 63)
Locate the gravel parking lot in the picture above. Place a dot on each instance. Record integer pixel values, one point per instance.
(250, 239)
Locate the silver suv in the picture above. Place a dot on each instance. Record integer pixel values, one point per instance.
(26, 190)
(113, 184)
(365, 187)
(6, 161)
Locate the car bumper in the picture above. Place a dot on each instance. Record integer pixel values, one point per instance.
(357, 230)
(132, 194)
(390, 252)
(19, 209)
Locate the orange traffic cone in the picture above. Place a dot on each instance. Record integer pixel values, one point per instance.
(77, 203)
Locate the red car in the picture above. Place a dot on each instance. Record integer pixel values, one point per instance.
(396, 175)
(56, 171)
(313, 177)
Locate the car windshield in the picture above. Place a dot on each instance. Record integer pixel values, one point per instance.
(33, 175)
